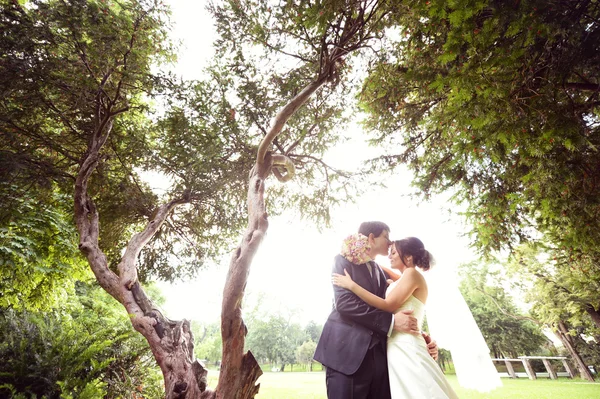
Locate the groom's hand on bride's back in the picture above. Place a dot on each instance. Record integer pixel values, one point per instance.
(431, 345)
(404, 321)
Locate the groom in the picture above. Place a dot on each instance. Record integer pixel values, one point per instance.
(353, 343)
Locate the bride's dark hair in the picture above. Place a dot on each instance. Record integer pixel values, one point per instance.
(413, 246)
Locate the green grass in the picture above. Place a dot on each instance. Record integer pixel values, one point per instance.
(312, 386)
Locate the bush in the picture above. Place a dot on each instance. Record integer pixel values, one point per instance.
(87, 349)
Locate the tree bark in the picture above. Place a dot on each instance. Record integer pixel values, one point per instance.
(239, 371)
(594, 314)
(563, 333)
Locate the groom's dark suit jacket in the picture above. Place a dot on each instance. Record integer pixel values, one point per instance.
(353, 326)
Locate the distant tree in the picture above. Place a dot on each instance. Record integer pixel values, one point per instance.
(507, 331)
(555, 289)
(208, 343)
(313, 330)
(275, 339)
(294, 336)
(261, 339)
(563, 299)
(444, 358)
(305, 353)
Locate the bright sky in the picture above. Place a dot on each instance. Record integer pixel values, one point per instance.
(293, 266)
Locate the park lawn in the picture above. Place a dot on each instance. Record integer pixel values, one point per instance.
(312, 386)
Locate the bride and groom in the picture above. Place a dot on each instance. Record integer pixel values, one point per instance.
(371, 343)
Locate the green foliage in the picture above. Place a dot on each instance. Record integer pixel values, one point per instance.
(506, 330)
(85, 349)
(65, 63)
(39, 258)
(498, 103)
(559, 285)
(266, 53)
(275, 339)
(313, 330)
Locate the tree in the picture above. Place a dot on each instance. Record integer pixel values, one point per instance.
(321, 38)
(556, 289)
(563, 299)
(516, 274)
(508, 332)
(305, 353)
(208, 343)
(497, 102)
(313, 330)
(77, 77)
(275, 339)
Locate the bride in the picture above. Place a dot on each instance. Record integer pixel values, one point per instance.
(413, 372)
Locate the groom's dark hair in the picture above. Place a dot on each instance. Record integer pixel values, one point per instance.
(375, 228)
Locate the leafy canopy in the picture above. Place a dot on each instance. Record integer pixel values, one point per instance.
(497, 102)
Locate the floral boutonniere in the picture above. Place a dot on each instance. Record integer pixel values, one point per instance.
(355, 249)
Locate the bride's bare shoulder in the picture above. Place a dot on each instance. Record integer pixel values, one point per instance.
(414, 274)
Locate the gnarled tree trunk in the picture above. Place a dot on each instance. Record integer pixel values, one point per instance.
(171, 342)
(240, 371)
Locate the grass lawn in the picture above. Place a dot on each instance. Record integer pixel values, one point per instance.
(312, 386)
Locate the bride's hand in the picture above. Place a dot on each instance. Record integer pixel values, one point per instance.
(343, 281)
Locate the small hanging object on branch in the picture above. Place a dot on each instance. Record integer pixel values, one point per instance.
(285, 164)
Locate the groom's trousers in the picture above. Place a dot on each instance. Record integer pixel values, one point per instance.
(370, 381)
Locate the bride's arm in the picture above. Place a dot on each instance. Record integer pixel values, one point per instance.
(397, 297)
(390, 272)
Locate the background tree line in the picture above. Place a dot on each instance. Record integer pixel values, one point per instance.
(273, 339)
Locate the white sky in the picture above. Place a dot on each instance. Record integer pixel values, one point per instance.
(293, 266)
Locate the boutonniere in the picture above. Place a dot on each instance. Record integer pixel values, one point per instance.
(355, 248)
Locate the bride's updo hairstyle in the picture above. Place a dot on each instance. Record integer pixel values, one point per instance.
(413, 246)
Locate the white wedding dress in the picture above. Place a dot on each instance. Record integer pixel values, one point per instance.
(413, 372)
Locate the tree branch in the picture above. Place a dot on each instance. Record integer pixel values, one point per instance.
(516, 317)
(127, 267)
(320, 161)
(284, 114)
(583, 86)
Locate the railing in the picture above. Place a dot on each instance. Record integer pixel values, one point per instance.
(529, 372)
